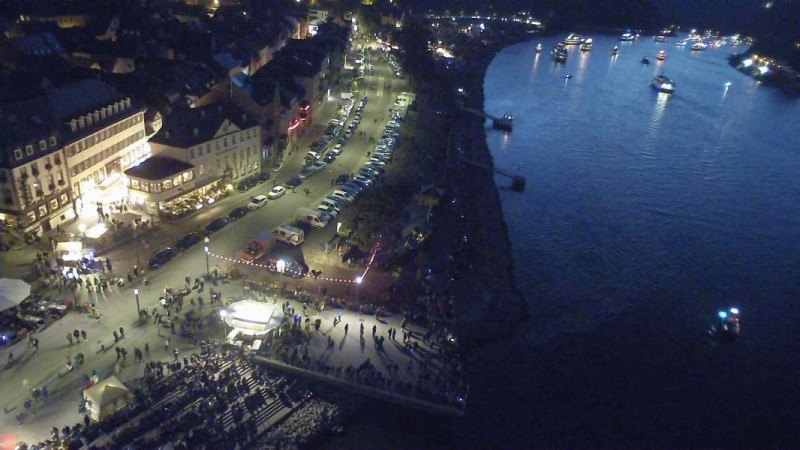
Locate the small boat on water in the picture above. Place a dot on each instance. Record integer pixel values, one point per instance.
(627, 36)
(615, 51)
(698, 46)
(680, 44)
(661, 55)
(660, 38)
(573, 39)
(539, 47)
(559, 53)
(728, 324)
(645, 60)
(568, 76)
(586, 45)
(663, 84)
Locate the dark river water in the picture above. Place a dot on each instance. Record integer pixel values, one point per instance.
(644, 215)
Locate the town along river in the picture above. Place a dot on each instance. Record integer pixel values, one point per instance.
(644, 215)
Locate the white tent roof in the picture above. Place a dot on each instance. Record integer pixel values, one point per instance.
(13, 292)
(106, 392)
(250, 315)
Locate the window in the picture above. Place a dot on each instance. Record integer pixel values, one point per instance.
(64, 199)
(225, 142)
(191, 153)
(187, 176)
(31, 216)
(176, 181)
(42, 210)
(166, 184)
(18, 154)
(42, 145)
(202, 169)
(199, 150)
(134, 184)
(29, 150)
(52, 141)
(54, 204)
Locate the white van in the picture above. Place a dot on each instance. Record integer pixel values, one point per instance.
(313, 217)
(289, 234)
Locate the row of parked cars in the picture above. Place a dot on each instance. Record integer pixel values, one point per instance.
(188, 240)
(349, 187)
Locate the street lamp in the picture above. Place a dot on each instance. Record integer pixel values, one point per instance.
(138, 310)
(223, 313)
(359, 279)
(208, 271)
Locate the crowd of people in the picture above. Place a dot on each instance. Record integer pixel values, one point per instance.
(304, 426)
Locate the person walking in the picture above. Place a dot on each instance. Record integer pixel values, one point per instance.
(166, 344)
(69, 338)
(374, 330)
(108, 265)
(176, 352)
(147, 348)
(362, 329)
(122, 332)
(83, 335)
(346, 327)
(116, 336)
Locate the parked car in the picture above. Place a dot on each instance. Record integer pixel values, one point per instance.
(161, 257)
(188, 240)
(378, 168)
(257, 202)
(294, 182)
(215, 225)
(364, 179)
(327, 201)
(277, 166)
(329, 158)
(342, 179)
(262, 177)
(319, 166)
(336, 201)
(246, 184)
(337, 149)
(277, 192)
(307, 171)
(328, 210)
(238, 213)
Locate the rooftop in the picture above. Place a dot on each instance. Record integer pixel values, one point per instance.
(158, 168)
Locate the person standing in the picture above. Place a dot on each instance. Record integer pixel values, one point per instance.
(166, 344)
(346, 327)
(83, 335)
(69, 338)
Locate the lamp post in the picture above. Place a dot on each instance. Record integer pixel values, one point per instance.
(359, 279)
(138, 310)
(208, 271)
(223, 313)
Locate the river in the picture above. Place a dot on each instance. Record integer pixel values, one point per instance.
(644, 215)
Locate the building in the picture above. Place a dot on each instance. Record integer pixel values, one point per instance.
(166, 186)
(222, 143)
(103, 133)
(34, 184)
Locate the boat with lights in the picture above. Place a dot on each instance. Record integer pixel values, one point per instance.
(559, 53)
(615, 51)
(661, 55)
(698, 46)
(728, 325)
(539, 47)
(660, 38)
(586, 45)
(663, 84)
(627, 36)
(573, 39)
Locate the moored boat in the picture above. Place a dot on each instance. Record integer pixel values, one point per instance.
(586, 45)
(573, 39)
(661, 55)
(663, 84)
(539, 47)
(698, 46)
(645, 60)
(660, 38)
(559, 53)
(627, 36)
(615, 51)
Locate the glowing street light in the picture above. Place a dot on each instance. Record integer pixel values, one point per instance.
(208, 270)
(359, 279)
(138, 309)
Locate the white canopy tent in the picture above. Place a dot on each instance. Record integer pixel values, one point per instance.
(251, 317)
(106, 397)
(13, 292)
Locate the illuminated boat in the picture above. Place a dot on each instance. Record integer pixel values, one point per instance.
(660, 38)
(661, 55)
(586, 45)
(615, 51)
(539, 47)
(559, 53)
(729, 324)
(663, 84)
(645, 60)
(627, 36)
(698, 46)
(573, 39)
(680, 44)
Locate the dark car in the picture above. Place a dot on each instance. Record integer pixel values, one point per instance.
(246, 184)
(262, 177)
(215, 225)
(329, 158)
(294, 182)
(342, 179)
(161, 257)
(238, 213)
(188, 240)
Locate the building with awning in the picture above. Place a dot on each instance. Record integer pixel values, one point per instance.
(107, 397)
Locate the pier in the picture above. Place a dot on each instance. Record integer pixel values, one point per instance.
(517, 181)
(505, 123)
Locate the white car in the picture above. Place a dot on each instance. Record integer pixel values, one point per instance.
(257, 202)
(277, 192)
(337, 149)
(327, 210)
